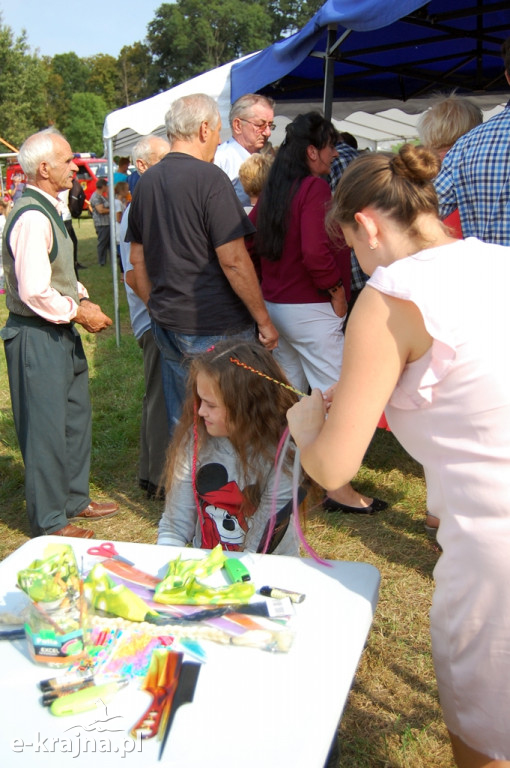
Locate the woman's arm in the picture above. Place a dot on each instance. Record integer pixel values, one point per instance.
(383, 334)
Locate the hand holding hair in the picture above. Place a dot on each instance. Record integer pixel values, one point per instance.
(306, 418)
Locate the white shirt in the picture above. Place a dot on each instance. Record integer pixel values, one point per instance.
(229, 157)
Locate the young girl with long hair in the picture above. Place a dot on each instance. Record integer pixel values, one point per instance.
(222, 483)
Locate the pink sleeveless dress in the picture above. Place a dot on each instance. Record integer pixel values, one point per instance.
(451, 411)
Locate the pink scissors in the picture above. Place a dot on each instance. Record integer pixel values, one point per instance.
(108, 551)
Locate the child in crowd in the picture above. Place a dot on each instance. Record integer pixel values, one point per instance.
(121, 200)
(253, 174)
(221, 473)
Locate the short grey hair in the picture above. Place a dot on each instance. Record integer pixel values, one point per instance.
(143, 149)
(39, 147)
(244, 104)
(186, 115)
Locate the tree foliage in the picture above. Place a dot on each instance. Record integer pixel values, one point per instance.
(189, 37)
(138, 77)
(103, 79)
(184, 39)
(22, 89)
(288, 16)
(84, 128)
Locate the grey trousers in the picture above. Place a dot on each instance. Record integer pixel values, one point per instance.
(103, 243)
(48, 380)
(154, 427)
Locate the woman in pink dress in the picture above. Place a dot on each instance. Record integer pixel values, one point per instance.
(428, 338)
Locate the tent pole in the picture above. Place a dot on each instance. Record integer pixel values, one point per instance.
(329, 73)
(113, 243)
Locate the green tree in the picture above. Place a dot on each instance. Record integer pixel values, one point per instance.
(74, 72)
(138, 75)
(68, 74)
(288, 16)
(189, 37)
(104, 79)
(84, 128)
(22, 88)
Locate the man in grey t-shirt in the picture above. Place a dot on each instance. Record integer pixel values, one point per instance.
(101, 215)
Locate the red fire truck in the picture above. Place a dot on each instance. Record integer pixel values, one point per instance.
(90, 169)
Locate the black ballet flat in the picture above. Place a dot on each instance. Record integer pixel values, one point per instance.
(377, 505)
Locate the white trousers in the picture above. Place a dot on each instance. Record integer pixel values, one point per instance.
(311, 343)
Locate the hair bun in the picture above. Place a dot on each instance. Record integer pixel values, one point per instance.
(416, 163)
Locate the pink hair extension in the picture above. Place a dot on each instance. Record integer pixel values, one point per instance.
(295, 483)
(281, 452)
(194, 469)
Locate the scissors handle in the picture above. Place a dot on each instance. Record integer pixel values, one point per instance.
(106, 549)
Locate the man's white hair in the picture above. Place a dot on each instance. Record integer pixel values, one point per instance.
(144, 148)
(39, 147)
(186, 115)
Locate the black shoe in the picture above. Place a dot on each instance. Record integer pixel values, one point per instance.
(155, 491)
(80, 266)
(377, 505)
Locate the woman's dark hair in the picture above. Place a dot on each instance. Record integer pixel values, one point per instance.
(288, 170)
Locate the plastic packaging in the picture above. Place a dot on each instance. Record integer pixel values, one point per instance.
(56, 619)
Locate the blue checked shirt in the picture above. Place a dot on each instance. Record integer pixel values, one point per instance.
(346, 154)
(475, 178)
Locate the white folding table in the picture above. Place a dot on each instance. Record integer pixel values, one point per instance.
(251, 708)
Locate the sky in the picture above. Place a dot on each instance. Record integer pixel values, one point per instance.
(87, 27)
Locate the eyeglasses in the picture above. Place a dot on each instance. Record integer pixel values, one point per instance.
(259, 127)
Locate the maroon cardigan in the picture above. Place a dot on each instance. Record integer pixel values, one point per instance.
(310, 262)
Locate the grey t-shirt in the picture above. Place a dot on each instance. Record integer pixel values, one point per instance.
(220, 484)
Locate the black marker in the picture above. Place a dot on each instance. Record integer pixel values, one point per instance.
(296, 597)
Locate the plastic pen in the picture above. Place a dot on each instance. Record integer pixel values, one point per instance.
(296, 597)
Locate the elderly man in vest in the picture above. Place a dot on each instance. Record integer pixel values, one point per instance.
(48, 374)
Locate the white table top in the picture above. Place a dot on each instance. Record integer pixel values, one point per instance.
(251, 708)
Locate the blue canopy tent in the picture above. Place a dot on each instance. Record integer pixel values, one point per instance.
(366, 55)
(374, 50)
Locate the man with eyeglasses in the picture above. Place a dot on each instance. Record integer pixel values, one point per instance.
(251, 121)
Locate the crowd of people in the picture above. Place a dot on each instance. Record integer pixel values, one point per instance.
(241, 320)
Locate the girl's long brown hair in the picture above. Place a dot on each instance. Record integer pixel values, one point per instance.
(256, 408)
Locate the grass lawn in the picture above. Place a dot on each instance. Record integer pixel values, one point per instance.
(392, 719)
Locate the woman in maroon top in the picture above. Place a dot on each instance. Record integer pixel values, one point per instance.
(305, 278)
